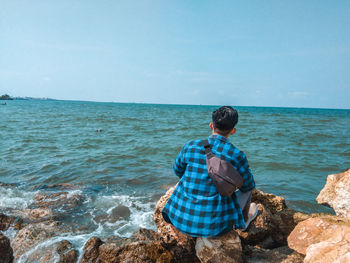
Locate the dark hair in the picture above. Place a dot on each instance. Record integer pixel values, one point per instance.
(225, 118)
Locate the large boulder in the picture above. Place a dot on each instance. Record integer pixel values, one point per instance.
(336, 194)
(324, 239)
(226, 248)
(6, 252)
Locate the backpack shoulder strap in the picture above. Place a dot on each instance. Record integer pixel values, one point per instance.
(206, 147)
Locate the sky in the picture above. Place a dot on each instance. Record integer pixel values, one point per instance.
(244, 53)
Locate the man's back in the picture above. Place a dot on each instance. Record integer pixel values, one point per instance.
(195, 207)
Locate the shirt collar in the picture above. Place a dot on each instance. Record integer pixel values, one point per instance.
(218, 137)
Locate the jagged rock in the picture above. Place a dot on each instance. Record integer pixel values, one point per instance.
(272, 202)
(6, 252)
(91, 252)
(142, 251)
(226, 248)
(8, 221)
(33, 234)
(312, 231)
(259, 229)
(138, 252)
(170, 235)
(336, 194)
(278, 255)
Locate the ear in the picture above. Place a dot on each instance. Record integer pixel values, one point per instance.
(211, 126)
(233, 131)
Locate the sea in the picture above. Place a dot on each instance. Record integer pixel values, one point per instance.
(119, 156)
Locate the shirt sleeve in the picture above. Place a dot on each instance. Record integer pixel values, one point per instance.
(180, 164)
(244, 170)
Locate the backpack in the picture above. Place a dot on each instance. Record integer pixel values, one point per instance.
(224, 176)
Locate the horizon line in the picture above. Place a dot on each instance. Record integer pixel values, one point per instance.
(178, 104)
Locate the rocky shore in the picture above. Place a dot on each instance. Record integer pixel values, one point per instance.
(279, 234)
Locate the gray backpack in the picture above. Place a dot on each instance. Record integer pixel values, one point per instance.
(224, 176)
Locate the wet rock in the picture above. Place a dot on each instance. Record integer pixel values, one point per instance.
(6, 252)
(183, 245)
(336, 194)
(119, 212)
(33, 234)
(259, 229)
(58, 252)
(91, 250)
(278, 255)
(272, 202)
(330, 231)
(10, 221)
(66, 252)
(62, 200)
(38, 213)
(226, 248)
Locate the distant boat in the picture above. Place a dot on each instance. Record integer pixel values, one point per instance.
(4, 103)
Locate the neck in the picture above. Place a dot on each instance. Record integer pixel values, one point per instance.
(215, 133)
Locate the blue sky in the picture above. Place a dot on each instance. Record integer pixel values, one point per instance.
(258, 53)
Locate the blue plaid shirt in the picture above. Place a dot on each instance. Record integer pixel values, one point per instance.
(195, 207)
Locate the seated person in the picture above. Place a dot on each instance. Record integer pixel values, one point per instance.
(195, 207)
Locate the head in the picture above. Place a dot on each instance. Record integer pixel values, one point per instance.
(224, 120)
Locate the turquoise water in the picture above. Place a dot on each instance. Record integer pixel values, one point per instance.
(122, 154)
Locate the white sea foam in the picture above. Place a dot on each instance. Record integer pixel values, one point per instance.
(15, 199)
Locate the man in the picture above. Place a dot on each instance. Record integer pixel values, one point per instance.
(195, 207)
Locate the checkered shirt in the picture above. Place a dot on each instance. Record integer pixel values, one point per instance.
(195, 207)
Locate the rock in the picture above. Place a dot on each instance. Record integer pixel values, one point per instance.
(10, 221)
(6, 252)
(66, 252)
(272, 202)
(178, 252)
(142, 251)
(283, 223)
(33, 234)
(259, 229)
(336, 194)
(119, 212)
(38, 213)
(58, 252)
(278, 255)
(62, 200)
(316, 230)
(138, 252)
(334, 249)
(91, 250)
(226, 248)
(170, 235)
